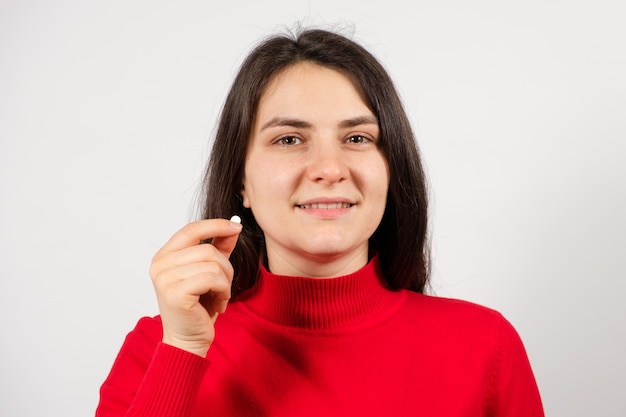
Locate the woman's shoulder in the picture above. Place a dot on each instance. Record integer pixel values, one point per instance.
(148, 329)
(461, 323)
(149, 324)
(454, 312)
(442, 303)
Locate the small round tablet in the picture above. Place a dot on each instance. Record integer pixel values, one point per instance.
(236, 219)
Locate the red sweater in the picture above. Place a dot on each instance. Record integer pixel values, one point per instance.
(345, 346)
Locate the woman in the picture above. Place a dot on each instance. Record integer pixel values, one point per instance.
(324, 282)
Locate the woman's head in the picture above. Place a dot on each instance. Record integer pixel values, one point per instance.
(401, 238)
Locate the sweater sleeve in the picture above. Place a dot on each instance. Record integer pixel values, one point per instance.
(149, 378)
(513, 391)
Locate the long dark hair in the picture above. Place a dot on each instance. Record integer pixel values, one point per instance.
(401, 239)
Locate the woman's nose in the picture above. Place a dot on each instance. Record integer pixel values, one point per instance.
(327, 164)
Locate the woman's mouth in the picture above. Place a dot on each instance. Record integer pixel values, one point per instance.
(325, 206)
(326, 210)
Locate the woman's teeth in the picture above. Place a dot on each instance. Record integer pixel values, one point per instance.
(327, 206)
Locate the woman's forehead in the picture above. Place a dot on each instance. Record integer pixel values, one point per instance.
(305, 89)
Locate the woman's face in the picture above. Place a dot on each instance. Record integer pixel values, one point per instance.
(315, 179)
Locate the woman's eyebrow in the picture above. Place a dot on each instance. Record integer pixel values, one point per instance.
(292, 122)
(360, 120)
(285, 121)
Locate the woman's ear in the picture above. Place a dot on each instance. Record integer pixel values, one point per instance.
(244, 196)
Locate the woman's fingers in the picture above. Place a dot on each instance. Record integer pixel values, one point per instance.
(191, 255)
(192, 281)
(180, 275)
(193, 233)
(214, 287)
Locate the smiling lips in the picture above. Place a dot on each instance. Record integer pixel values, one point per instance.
(325, 206)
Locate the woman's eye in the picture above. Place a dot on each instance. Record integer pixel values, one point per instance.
(289, 140)
(357, 139)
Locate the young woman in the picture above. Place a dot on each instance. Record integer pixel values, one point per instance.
(324, 279)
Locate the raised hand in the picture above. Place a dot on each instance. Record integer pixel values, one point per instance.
(192, 281)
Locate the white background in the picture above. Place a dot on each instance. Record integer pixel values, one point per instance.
(106, 110)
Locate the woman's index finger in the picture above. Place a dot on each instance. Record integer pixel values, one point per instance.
(194, 233)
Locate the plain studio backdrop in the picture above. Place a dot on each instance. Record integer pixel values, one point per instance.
(106, 113)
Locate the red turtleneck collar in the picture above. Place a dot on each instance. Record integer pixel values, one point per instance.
(356, 299)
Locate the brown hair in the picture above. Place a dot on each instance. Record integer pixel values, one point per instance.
(401, 239)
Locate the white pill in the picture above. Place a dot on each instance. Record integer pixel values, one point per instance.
(236, 219)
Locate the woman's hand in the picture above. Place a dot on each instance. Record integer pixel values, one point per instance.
(192, 282)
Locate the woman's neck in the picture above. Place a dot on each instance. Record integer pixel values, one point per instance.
(316, 265)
